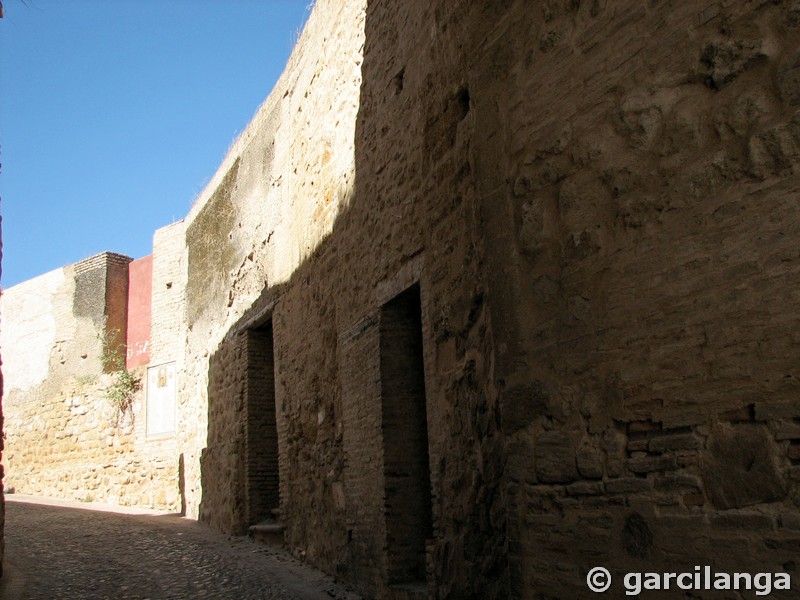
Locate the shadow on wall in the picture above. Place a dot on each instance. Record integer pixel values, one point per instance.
(315, 348)
(603, 248)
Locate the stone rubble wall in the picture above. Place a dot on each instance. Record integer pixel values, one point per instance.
(73, 445)
(641, 228)
(597, 201)
(344, 192)
(64, 437)
(273, 201)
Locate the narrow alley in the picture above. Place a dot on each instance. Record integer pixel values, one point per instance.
(75, 551)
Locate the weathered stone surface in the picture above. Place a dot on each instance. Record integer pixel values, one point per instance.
(739, 469)
(522, 405)
(614, 446)
(637, 538)
(774, 151)
(673, 442)
(790, 520)
(555, 457)
(789, 79)
(676, 483)
(724, 61)
(769, 412)
(648, 464)
(65, 436)
(793, 453)
(787, 431)
(744, 520)
(585, 488)
(628, 485)
(590, 461)
(520, 460)
(600, 196)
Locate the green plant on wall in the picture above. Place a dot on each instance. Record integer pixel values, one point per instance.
(124, 384)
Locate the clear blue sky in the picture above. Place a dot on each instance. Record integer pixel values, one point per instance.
(114, 114)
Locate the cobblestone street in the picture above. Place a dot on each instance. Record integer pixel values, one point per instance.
(69, 551)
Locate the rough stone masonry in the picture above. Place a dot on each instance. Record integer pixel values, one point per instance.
(490, 294)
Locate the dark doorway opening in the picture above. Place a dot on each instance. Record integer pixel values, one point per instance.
(405, 438)
(263, 482)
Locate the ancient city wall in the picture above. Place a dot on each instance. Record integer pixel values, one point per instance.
(487, 295)
(641, 221)
(595, 202)
(272, 202)
(65, 438)
(326, 211)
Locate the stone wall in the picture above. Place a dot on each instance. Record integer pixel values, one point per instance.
(270, 205)
(167, 331)
(561, 233)
(64, 436)
(595, 201)
(74, 445)
(327, 209)
(640, 226)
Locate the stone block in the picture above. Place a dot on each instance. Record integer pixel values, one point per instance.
(521, 465)
(738, 415)
(665, 443)
(638, 445)
(790, 520)
(793, 452)
(787, 431)
(725, 60)
(771, 412)
(523, 404)
(676, 483)
(690, 500)
(649, 464)
(788, 77)
(744, 520)
(590, 462)
(555, 457)
(774, 151)
(637, 538)
(691, 417)
(643, 426)
(628, 485)
(739, 469)
(585, 488)
(614, 444)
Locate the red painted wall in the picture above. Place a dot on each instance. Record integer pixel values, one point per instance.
(140, 294)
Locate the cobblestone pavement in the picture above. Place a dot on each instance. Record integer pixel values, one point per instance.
(68, 552)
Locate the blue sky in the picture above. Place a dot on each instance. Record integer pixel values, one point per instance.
(114, 114)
